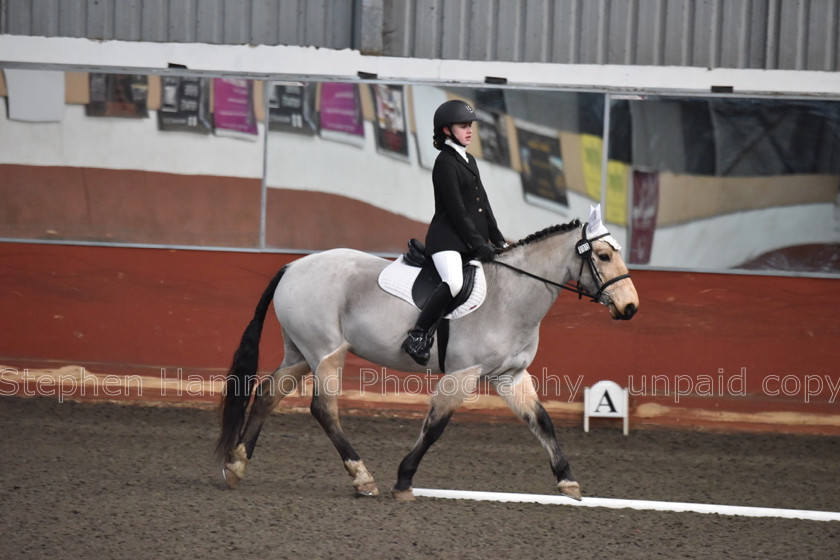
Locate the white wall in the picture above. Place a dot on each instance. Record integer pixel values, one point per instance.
(123, 143)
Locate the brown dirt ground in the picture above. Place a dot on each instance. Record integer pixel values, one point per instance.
(118, 481)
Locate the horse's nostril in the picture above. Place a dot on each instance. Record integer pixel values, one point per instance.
(629, 311)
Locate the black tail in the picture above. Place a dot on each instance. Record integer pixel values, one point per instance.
(242, 374)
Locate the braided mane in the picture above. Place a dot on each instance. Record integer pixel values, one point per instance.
(547, 232)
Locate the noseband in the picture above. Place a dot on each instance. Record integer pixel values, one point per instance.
(584, 250)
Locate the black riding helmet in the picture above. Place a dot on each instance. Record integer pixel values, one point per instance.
(451, 112)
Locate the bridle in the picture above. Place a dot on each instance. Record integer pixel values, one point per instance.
(584, 250)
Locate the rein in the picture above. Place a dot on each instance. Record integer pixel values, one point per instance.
(584, 251)
(576, 289)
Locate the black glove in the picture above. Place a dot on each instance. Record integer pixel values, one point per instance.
(486, 252)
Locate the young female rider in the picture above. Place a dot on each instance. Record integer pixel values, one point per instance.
(463, 226)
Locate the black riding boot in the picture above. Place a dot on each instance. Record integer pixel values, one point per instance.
(421, 337)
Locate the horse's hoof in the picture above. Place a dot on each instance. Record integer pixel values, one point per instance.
(231, 479)
(569, 488)
(234, 471)
(403, 495)
(368, 489)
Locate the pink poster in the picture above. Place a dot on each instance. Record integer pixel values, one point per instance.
(233, 109)
(341, 110)
(643, 215)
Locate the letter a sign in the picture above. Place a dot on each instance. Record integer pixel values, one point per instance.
(605, 399)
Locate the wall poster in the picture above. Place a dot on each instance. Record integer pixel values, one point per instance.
(233, 108)
(492, 131)
(118, 95)
(185, 105)
(643, 215)
(543, 179)
(391, 129)
(341, 113)
(291, 108)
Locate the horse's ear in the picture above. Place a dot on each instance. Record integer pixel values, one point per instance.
(594, 226)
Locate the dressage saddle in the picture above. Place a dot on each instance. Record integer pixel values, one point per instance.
(429, 279)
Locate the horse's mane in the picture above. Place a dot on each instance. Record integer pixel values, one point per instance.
(547, 232)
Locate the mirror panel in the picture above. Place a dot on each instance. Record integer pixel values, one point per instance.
(707, 183)
(723, 183)
(131, 159)
(350, 156)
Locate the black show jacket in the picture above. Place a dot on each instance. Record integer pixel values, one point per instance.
(463, 219)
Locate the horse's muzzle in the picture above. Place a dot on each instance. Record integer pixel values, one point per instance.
(629, 310)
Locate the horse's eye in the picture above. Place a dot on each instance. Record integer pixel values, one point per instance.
(604, 257)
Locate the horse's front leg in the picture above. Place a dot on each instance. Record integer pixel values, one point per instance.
(324, 408)
(450, 393)
(271, 391)
(519, 393)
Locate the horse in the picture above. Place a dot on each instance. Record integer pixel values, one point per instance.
(329, 304)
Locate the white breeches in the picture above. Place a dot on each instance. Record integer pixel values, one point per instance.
(451, 269)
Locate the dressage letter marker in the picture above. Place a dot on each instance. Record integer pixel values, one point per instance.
(606, 399)
(612, 503)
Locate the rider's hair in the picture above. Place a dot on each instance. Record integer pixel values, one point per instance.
(439, 139)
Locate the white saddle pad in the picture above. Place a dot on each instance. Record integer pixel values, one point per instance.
(398, 278)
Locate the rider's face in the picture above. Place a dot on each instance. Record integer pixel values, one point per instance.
(462, 132)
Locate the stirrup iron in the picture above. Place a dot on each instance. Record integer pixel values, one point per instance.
(417, 345)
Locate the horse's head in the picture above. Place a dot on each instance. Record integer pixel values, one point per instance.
(612, 282)
(608, 280)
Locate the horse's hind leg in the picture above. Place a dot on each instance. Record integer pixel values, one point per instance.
(449, 394)
(519, 393)
(270, 392)
(324, 408)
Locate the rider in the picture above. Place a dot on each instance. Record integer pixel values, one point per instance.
(463, 225)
